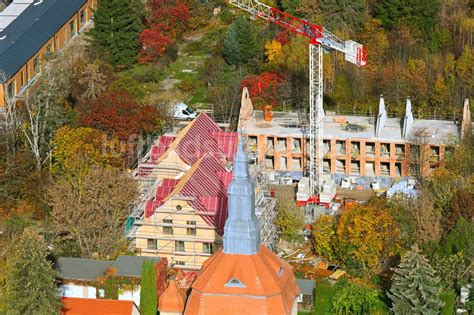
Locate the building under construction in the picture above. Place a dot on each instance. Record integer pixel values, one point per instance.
(183, 208)
(376, 146)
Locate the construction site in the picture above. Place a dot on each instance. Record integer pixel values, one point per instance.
(324, 160)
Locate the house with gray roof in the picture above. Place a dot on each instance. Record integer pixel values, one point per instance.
(31, 28)
(79, 277)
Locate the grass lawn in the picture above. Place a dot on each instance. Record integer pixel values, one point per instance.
(324, 293)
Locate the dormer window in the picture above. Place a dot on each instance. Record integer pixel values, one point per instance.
(280, 272)
(236, 283)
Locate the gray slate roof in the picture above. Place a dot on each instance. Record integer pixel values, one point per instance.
(81, 269)
(131, 266)
(31, 30)
(306, 286)
(90, 269)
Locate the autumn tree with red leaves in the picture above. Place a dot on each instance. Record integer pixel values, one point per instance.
(263, 88)
(153, 44)
(118, 114)
(168, 20)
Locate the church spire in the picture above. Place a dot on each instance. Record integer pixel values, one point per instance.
(241, 232)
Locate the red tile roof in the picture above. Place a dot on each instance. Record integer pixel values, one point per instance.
(158, 149)
(266, 285)
(79, 306)
(173, 299)
(206, 186)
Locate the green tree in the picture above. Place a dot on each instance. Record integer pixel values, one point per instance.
(240, 43)
(290, 220)
(421, 15)
(116, 31)
(30, 277)
(414, 287)
(354, 299)
(148, 295)
(460, 239)
(324, 234)
(344, 14)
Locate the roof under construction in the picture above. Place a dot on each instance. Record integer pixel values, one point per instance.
(206, 149)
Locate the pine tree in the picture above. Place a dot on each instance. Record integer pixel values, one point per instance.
(30, 278)
(414, 287)
(148, 295)
(240, 43)
(116, 31)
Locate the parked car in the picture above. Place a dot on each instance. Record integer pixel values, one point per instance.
(183, 112)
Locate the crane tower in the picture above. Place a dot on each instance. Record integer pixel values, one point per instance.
(319, 38)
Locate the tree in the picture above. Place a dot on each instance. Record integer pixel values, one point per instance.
(366, 234)
(348, 15)
(324, 232)
(30, 277)
(115, 35)
(148, 293)
(170, 17)
(118, 114)
(78, 149)
(153, 45)
(240, 43)
(414, 287)
(93, 80)
(460, 239)
(426, 219)
(354, 299)
(263, 88)
(44, 110)
(420, 15)
(89, 210)
(290, 220)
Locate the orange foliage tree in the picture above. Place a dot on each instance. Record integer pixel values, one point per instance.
(263, 88)
(366, 235)
(118, 114)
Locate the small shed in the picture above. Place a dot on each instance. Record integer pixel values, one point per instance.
(307, 295)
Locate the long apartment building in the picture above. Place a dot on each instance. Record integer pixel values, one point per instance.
(352, 145)
(184, 180)
(28, 30)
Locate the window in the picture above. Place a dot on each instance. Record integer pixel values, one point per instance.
(36, 65)
(83, 17)
(253, 144)
(207, 248)
(296, 145)
(180, 263)
(281, 144)
(235, 283)
(27, 72)
(11, 89)
(191, 230)
(72, 28)
(22, 78)
(179, 246)
(152, 244)
(167, 229)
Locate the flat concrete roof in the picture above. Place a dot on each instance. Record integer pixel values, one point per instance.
(288, 124)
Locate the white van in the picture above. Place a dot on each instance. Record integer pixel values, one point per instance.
(183, 112)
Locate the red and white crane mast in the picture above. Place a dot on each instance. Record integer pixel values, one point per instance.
(319, 38)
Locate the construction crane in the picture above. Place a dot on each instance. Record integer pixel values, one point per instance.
(319, 38)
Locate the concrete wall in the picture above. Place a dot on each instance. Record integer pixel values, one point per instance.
(77, 291)
(26, 75)
(360, 156)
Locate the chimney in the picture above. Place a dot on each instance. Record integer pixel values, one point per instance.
(466, 124)
(381, 118)
(407, 120)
